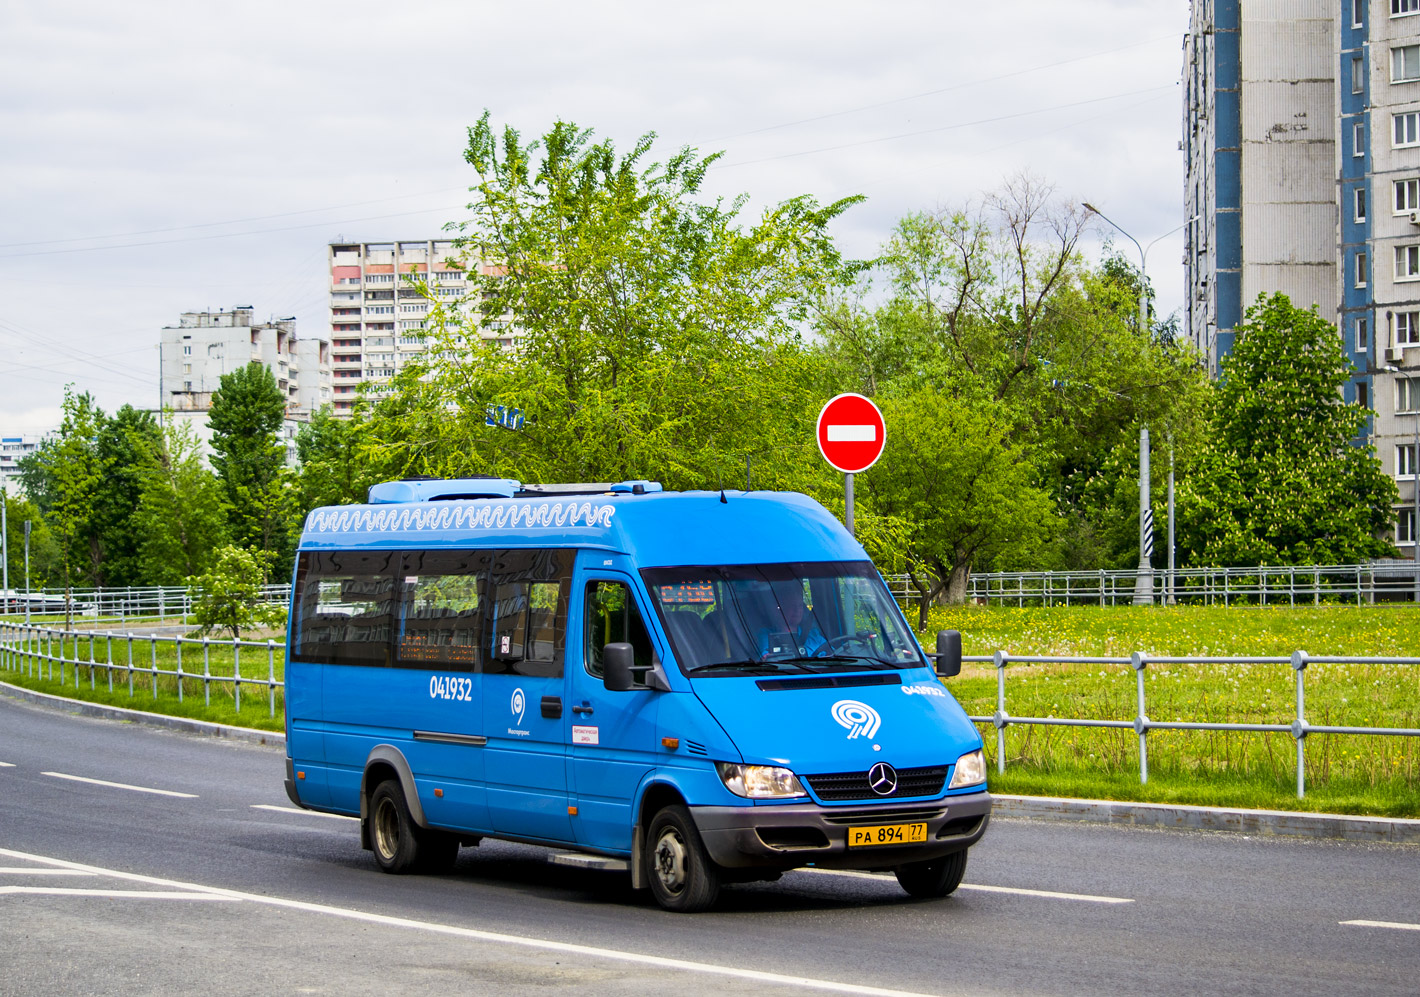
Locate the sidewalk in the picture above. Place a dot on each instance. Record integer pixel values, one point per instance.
(1286, 823)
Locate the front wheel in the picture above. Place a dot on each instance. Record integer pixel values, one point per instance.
(682, 876)
(933, 878)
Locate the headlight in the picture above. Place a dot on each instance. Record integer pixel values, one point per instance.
(759, 782)
(970, 770)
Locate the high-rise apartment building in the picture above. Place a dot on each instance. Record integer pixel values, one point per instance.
(204, 346)
(1301, 138)
(14, 448)
(378, 315)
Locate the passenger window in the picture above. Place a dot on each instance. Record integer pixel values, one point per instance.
(443, 601)
(528, 612)
(612, 617)
(346, 608)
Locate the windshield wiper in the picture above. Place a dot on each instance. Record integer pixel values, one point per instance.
(747, 663)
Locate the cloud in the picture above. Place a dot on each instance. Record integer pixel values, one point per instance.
(129, 118)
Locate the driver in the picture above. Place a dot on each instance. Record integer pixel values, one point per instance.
(801, 637)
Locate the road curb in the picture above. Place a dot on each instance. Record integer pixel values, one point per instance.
(1284, 823)
(1281, 823)
(269, 738)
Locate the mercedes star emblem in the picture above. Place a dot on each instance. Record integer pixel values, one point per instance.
(882, 779)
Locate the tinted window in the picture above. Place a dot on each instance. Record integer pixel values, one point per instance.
(442, 610)
(612, 617)
(345, 607)
(527, 612)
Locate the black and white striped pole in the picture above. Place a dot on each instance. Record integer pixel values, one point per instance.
(1144, 579)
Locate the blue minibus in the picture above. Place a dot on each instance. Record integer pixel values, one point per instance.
(700, 687)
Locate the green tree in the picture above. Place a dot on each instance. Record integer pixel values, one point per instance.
(125, 446)
(658, 335)
(227, 596)
(334, 470)
(1283, 478)
(44, 554)
(248, 410)
(179, 519)
(950, 471)
(77, 474)
(994, 302)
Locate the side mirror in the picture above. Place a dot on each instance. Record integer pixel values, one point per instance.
(618, 660)
(948, 653)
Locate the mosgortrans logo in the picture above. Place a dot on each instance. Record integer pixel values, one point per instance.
(860, 719)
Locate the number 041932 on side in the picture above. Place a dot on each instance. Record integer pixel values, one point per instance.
(887, 834)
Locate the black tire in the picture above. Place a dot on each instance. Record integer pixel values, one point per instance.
(933, 878)
(399, 844)
(682, 876)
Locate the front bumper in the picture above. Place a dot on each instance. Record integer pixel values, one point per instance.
(797, 834)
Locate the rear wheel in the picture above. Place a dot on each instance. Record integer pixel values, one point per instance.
(682, 876)
(399, 844)
(937, 877)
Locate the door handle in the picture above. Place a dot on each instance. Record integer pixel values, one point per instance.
(584, 708)
(552, 707)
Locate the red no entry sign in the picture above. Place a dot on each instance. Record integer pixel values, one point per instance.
(851, 433)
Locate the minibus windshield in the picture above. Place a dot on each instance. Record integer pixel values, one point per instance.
(765, 619)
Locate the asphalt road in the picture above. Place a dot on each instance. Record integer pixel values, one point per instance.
(227, 889)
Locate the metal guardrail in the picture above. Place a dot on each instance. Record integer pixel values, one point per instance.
(31, 651)
(137, 602)
(1299, 728)
(1363, 584)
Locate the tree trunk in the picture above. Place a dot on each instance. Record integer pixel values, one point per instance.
(957, 582)
(928, 588)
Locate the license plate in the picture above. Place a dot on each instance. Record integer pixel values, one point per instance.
(886, 834)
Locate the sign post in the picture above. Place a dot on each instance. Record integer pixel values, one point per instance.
(851, 435)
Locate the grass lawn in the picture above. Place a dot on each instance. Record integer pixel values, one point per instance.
(1344, 773)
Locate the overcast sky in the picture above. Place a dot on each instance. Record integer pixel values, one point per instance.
(157, 158)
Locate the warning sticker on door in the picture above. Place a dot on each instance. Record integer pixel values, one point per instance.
(585, 735)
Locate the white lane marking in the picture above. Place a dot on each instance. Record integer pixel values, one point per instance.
(590, 951)
(120, 785)
(122, 894)
(303, 813)
(841, 433)
(7, 765)
(1049, 894)
(16, 870)
(1399, 925)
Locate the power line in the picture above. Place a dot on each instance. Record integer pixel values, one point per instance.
(233, 221)
(222, 235)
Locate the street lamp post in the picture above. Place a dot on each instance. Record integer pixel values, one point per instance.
(1144, 574)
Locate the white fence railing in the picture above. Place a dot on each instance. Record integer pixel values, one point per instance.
(1360, 584)
(1142, 724)
(146, 602)
(38, 652)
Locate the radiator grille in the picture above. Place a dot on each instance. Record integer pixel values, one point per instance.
(832, 787)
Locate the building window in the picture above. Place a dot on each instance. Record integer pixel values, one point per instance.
(1407, 394)
(1405, 526)
(1405, 64)
(1399, 8)
(187, 351)
(1358, 139)
(1362, 270)
(1407, 196)
(1360, 204)
(1405, 460)
(1407, 262)
(1407, 127)
(1363, 394)
(1407, 328)
(1363, 335)
(1358, 75)
(1358, 13)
